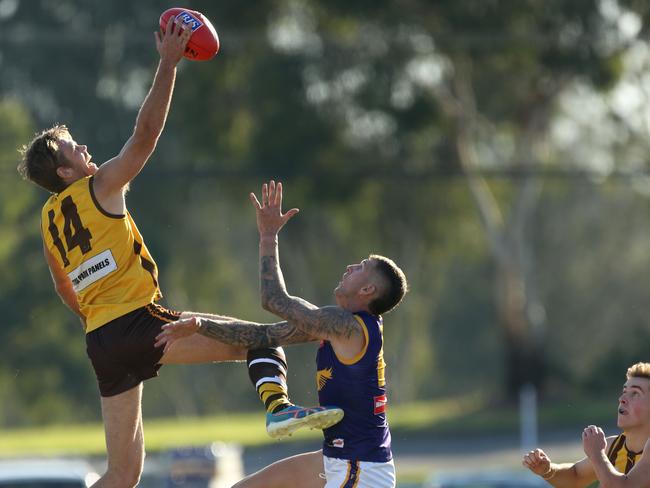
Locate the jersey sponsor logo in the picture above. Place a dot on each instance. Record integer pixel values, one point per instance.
(92, 270)
(188, 18)
(380, 404)
(322, 377)
(338, 443)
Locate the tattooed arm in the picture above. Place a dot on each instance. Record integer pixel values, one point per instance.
(249, 335)
(330, 323)
(252, 335)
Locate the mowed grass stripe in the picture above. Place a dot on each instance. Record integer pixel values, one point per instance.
(469, 414)
(160, 434)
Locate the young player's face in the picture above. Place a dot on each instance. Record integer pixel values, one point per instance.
(634, 403)
(78, 157)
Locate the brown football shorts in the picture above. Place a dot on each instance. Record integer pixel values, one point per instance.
(122, 351)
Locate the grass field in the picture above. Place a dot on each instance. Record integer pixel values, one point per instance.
(244, 429)
(465, 415)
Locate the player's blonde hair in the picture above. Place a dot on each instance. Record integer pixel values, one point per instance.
(638, 370)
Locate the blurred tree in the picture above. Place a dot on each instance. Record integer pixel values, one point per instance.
(466, 83)
(389, 122)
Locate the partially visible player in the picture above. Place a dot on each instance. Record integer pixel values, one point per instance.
(350, 364)
(615, 461)
(103, 271)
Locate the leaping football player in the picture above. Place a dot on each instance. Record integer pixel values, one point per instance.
(350, 366)
(104, 272)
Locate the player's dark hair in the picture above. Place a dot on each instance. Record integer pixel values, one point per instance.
(395, 285)
(42, 157)
(639, 370)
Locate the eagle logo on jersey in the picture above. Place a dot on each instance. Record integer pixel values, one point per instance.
(322, 377)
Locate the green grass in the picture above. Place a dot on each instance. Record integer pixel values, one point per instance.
(468, 415)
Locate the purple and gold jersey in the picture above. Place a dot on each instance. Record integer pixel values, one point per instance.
(358, 387)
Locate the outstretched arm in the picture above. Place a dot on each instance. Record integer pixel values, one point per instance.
(249, 335)
(330, 323)
(567, 475)
(115, 174)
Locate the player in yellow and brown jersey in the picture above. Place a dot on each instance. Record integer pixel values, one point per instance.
(615, 461)
(102, 270)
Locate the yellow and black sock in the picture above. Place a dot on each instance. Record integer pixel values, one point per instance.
(267, 369)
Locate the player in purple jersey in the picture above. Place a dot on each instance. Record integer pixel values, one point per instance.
(356, 451)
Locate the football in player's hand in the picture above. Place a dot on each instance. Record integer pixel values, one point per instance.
(204, 41)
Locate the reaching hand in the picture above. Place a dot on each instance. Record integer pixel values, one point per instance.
(538, 462)
(593, 441)
(173, 331)
(171, 44)
(270, 218)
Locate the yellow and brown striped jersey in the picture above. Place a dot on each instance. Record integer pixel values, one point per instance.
(103, 254)
(619, 455)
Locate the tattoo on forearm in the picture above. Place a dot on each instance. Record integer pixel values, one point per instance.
(323, 322)
(274, 292)
(251, 335)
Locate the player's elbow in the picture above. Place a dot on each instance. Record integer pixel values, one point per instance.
(266, 304)
(145, 136)
(61, 289)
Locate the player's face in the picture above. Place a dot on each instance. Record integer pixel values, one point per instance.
(78, 157)
(355, 277)
(634, 404)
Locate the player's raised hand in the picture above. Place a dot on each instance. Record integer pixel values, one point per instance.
(173, 331)
(537, 461)
(172, 42)
(593, 440)
(270, 218)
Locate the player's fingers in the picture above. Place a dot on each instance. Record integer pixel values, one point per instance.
(278, 194)
(186, 34)
(169, 30)
(265, 195)
(254, 201)
(290, 213)
(272, 192)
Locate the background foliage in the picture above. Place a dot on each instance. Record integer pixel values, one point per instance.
(497, 150)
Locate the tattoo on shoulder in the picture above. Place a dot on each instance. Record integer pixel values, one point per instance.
(330, 321)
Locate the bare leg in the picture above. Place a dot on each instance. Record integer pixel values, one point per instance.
(124, 439)
(302, 471)
(200, 349)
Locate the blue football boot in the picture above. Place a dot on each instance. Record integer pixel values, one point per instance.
(288, 420)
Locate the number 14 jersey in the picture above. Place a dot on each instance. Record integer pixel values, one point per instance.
(103, 254)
